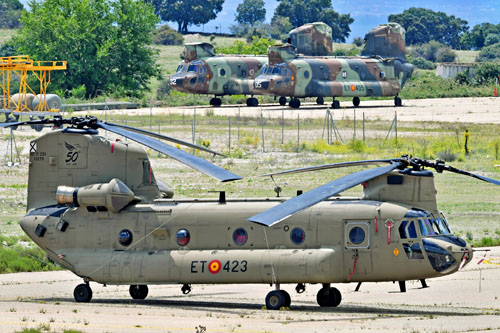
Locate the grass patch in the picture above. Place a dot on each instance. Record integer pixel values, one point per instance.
(22, 255)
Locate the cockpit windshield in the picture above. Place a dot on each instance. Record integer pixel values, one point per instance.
(274, 70)
(427, 224)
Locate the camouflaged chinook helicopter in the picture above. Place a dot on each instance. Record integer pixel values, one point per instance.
(96, 208)
(203, 72)
(381, 70)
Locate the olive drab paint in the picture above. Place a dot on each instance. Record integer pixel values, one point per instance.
(381, 70)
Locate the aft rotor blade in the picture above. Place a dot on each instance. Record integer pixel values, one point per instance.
(164, 137)
(177, 154)
(467, 173)
(330, 166)
(303, 201)
(21, 123)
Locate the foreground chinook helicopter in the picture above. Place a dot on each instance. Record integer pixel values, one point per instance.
(203, 72)
(96, 208)
(381, 70)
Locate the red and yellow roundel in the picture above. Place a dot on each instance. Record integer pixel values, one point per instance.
(214, 266)
(353, 87)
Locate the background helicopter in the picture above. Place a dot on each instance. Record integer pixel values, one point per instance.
(96, 208)
(381, 70)
(203, 72)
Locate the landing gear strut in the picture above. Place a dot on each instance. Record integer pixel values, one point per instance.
(215, 101)
(356, 101)
(397, 101)
(186, 289)
(138, 291)
(276, 299)
(328, 296)
(252, 101)
(335, 104)
(282, 100)
(294, 103)
(83, 293)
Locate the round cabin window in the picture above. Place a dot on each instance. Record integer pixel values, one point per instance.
(306, 74)
(357, 235)
(125, 237)
(297, 236)
(240, 236)
(182, 237)
(222, 72)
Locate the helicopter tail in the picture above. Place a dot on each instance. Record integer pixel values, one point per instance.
(386, 41)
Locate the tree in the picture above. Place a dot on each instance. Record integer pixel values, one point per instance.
(165, 35)
(476, 38)
(10, 12)
(423, 25)
(106, 43)
(250, 12)
(300, 12)
(186, 12)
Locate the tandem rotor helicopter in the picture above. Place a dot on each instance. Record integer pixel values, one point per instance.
(96, 208)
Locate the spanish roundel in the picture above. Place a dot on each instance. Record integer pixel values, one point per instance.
(214, 266)
(353, 87)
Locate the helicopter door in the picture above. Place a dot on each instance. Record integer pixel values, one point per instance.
(357, 247)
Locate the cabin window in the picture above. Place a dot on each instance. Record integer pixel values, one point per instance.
(356, 235)
(182, 237)
(222, 72)
(125, 237)
(306, 74)
(297, 236)
(407, 229)
(382, 75)
(243, 73)
(240, 236)
(413, 251)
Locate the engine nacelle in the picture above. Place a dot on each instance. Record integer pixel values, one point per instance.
(114, 195)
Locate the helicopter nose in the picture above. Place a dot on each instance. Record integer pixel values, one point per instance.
(447, 253)
(261, 84)
(175, 81)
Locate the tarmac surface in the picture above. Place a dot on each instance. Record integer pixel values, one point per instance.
(465, 301)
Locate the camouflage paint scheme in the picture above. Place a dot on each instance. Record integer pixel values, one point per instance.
(380, 71)
(313, 39)
(203, 72)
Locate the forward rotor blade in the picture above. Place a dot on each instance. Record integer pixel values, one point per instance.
(164, 137)
(177, 154)
(330, 166)
(303, 201)
(467, 173)
(21, 123)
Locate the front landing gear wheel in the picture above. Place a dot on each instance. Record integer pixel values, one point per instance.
(282, 100)
(356, 101)
(82, 293)
(138, 291)
(320, 100)
(294, 103)
(288, 299)
(329, 297)
(336, 104)
(275, 300)
(252, 101)
(397, 101)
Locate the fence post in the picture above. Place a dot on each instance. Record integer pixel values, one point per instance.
(239, 120)
(363, 126)
(396, 125)
(354, 134)
(192, 132)
(229, 132)
(282, 124)
(298, 131)
(262, 125)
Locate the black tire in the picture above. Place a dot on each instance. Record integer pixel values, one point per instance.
(322, 298)
(282, 100)
(288, 299)
(217, 101)
(275, 300)
(212, 101)
(294, 103)
(338, 296)
(255, 102)
(82, 293)
(397, 101)
(320, 100)
(332, 298)
(336, 104)
(138, 291)
(356, 101)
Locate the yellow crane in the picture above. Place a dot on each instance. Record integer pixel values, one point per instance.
(20, 67)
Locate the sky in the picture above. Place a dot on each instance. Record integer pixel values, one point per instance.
(368, 13)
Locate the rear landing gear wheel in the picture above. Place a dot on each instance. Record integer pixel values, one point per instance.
(288, 299)
(138, 291)
(275, 300)
(356, 101)
(320, 100)
(397, 101)
(294, 103)
(282, 100)
(215, 101)
(328, 297)
(82, 293)
(252, 101)
(335, 104)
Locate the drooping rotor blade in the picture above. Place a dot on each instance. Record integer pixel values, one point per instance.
(177, 154)
(164, 137)
(21, 123)
(330, 166)
(303, 201)
(467, 173)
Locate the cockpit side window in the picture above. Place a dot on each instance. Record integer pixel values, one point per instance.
(192, 68)
(426, 228)
(269, 70)
(407, 230)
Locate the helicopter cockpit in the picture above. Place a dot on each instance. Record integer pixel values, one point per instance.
(190, 76)
(274, 77)
(443, 249)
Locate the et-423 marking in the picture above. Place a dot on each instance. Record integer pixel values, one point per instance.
(215, 266)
